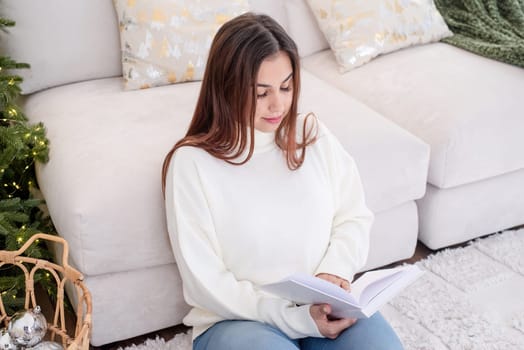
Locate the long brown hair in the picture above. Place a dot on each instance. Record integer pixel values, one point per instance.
(226, 106)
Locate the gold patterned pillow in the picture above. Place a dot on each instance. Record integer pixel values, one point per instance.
(359, 30)
(167, 41)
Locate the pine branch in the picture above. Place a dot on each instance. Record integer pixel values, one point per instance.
(8, 63)
(4, 22)
(21, 145)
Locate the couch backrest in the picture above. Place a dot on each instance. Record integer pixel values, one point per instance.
(64, 41)
(67, 41)
(274, 8)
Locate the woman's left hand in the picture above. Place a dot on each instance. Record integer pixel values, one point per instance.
(342, 283)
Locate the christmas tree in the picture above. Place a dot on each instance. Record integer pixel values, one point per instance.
(21, 214)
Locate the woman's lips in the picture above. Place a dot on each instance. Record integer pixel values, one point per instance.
(273, 120)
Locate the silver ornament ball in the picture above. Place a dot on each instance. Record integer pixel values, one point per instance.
(27, 328)
(47, 345)
(6, 343)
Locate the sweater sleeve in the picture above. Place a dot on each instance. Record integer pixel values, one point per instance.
(349, 241)
(207, 283)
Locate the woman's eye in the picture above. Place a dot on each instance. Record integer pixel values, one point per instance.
(262, 95)
(285, 88)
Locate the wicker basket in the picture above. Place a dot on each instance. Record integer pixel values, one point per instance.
(62, 275)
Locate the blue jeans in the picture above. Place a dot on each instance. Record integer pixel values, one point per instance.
(373, 333)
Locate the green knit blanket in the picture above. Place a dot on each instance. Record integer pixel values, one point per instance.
(491, 28)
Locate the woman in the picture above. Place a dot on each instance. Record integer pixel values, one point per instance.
(254, 193)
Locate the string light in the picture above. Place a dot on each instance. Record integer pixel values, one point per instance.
(24, 143)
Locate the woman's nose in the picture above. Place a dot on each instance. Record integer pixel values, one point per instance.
(276, 103)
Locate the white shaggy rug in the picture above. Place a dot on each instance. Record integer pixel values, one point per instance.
(469, 298)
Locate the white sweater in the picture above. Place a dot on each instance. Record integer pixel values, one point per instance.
(233, 228)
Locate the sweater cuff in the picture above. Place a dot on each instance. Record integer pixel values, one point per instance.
(294, 321)
(336, 268)
(310, 327)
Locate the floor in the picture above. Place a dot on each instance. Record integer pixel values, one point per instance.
(421, 252)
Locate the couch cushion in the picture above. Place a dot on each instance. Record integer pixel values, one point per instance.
(455, 215)
(64, 41)
(392, 162)
(102, 183)
(467, 107)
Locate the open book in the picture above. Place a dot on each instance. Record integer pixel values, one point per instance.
(372, 290)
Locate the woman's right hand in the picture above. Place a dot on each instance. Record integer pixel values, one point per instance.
(329, 328)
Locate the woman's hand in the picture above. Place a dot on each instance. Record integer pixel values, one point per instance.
(342, 283)
(327, 326)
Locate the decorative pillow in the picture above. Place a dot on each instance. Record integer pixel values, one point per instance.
(359, 30)
(167, 41)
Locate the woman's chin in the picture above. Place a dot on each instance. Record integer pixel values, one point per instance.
(268, 124)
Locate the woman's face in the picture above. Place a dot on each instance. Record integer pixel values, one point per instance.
(274, 91)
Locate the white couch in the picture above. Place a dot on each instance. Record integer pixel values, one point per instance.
(102, 183)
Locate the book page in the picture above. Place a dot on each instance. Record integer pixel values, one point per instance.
(374, 288)
(306, 289)
(373, 282)
(379, 292)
